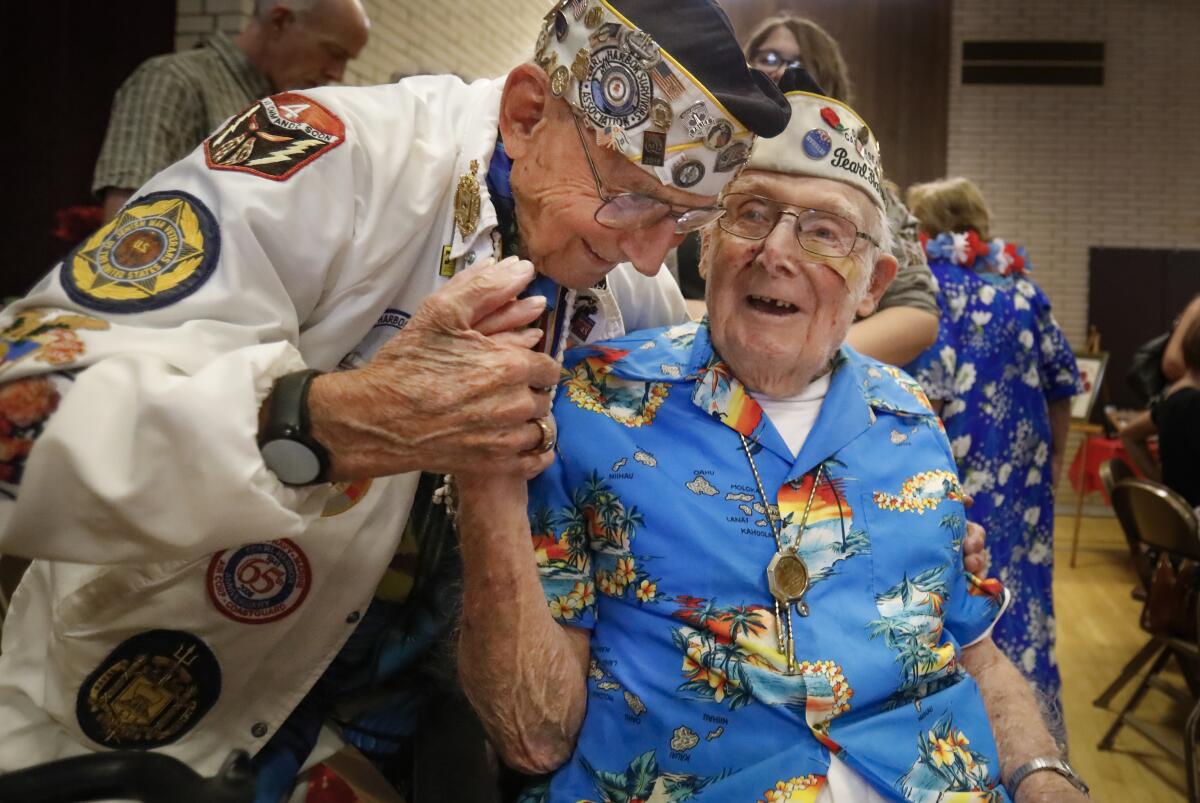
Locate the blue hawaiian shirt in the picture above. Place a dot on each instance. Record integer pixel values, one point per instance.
(649, 532)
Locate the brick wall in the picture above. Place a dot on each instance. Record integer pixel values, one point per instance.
(1065, 168)
(466, 37)
(196, 18)
(471, 38)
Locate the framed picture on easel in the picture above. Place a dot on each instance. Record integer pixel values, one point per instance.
(1091, 371)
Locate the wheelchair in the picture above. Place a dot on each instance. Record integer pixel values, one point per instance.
(129, 775)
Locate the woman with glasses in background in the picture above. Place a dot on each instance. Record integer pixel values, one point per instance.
(907, 318)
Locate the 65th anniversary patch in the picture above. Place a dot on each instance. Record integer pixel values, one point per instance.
(159, 249)
(275, 137)
(259, 583)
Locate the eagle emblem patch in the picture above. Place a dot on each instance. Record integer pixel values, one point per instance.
(161, 248)
(275, 137)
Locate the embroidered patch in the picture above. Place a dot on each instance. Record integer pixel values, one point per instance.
(275, 137)
(389, 323)
(46, 336)
(259, 583)
(161, 248)
(149, 691)
(345, 495)
(25, 407)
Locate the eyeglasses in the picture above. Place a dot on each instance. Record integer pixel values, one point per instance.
(633, 210)
(818, 232)
(773, 60)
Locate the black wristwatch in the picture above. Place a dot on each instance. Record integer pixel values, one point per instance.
(288, 447)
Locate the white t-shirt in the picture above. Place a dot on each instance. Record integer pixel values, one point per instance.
(794, 418)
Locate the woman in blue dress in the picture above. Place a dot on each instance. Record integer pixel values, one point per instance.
(1004, 374)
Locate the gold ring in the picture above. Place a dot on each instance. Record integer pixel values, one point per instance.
(549, 433)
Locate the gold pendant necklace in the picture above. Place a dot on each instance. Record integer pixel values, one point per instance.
(787, 574)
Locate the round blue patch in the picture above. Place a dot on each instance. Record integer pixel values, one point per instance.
(149, 691)
(817, 144)
(159, 249)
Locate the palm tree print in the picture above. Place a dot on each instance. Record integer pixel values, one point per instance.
(596, 531)
(911, 625)
(642, 780)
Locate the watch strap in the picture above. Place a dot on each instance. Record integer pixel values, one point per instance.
(1051, 764)
(287, 419)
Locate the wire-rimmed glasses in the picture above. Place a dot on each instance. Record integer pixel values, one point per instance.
(633, 210)
(818, 232)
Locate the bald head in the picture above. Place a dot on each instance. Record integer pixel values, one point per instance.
(299, 44)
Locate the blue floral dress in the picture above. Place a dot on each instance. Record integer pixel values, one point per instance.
(999, 360)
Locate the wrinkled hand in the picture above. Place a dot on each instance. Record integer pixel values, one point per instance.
(975, 559)
(458, 388)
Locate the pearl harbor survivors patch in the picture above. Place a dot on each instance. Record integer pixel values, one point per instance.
(259, 583)
(161, 248)
(275, 137)
(150, 691)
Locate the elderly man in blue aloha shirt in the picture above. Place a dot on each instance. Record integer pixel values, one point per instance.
(745, 581)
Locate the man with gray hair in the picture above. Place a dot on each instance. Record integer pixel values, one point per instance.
(171, 102)
(741, 578)
(225, 398)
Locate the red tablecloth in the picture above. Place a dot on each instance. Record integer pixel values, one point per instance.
(1099, 449)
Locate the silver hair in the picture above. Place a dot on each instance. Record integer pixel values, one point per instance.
(887, 241)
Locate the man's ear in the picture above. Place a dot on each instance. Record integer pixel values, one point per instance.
(882, 275)
(524, 107)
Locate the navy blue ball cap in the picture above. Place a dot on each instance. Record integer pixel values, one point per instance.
(700, 37)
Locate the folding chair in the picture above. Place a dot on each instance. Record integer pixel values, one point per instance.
(1160, 521)
(1111, 472)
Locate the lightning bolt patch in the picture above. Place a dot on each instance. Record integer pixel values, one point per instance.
(275, 137)
(286, 154)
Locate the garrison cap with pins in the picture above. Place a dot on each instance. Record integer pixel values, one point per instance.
(664, 84)
(825, 139)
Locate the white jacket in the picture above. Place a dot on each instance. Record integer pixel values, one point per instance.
(156, 613)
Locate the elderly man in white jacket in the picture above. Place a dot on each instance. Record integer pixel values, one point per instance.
(208, 503)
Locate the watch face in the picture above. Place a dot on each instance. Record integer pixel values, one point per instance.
(292, 461)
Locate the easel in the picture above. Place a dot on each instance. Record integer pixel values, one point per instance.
(1088, 431)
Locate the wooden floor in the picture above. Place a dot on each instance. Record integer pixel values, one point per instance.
(1097, 634)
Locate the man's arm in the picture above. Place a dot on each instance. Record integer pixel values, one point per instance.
(114, 198)
(1060, 423)
(1133, 436)
(1017, 724)
(156, 437)
(525, 673)
(896, 335)
(156, 119)
(1172, 360)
